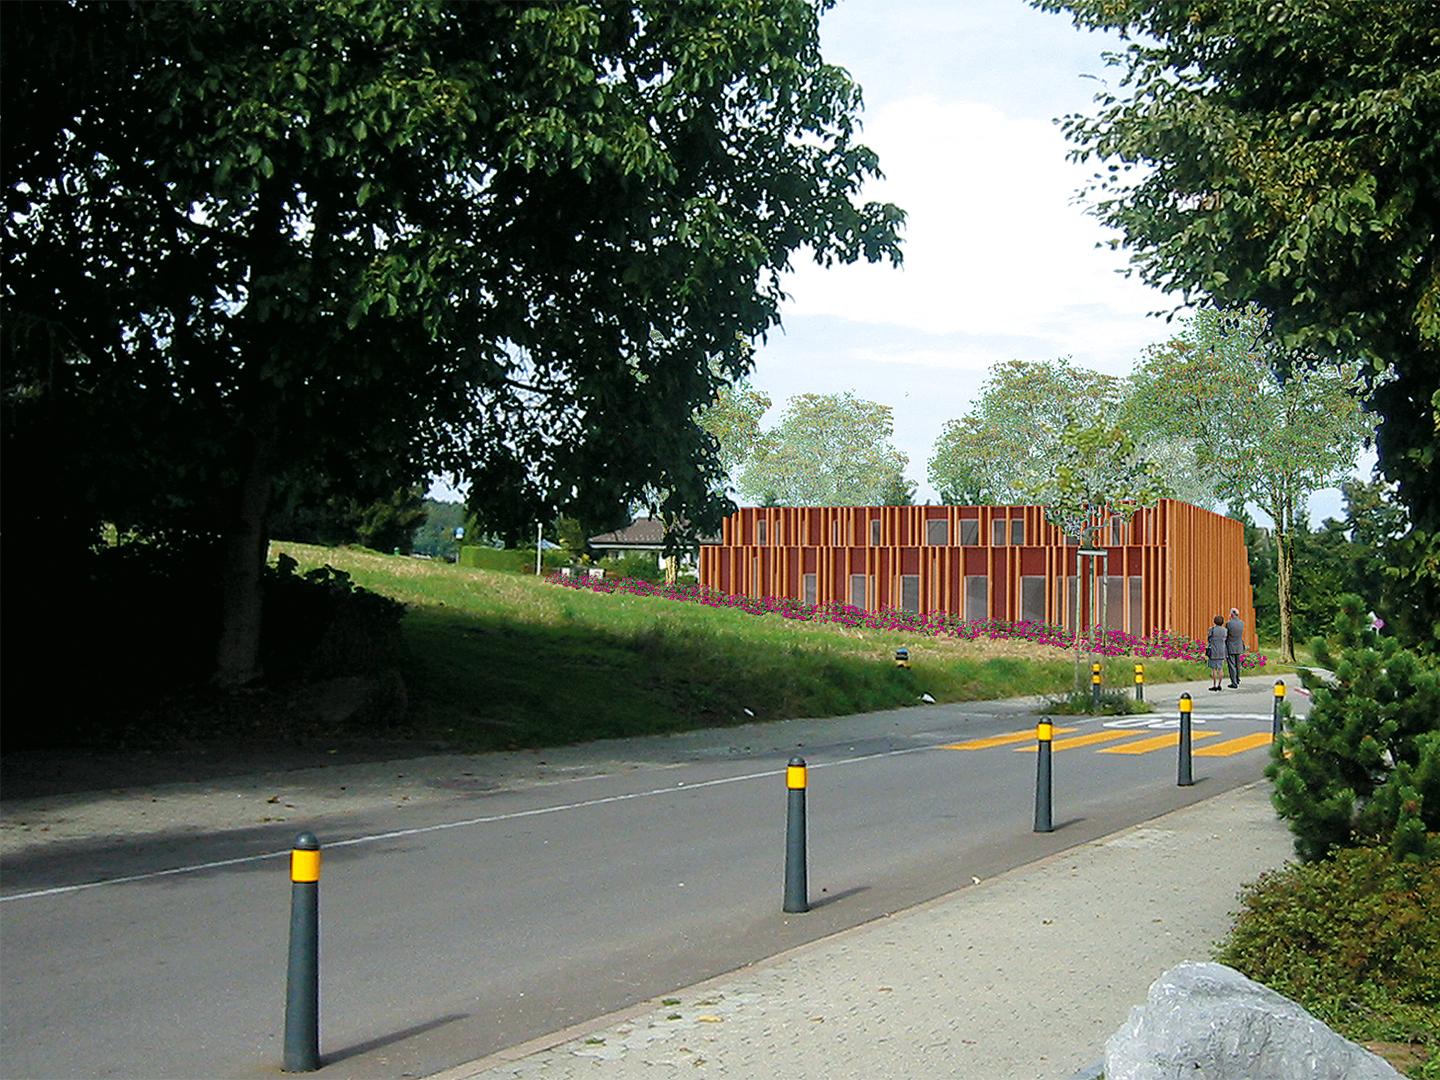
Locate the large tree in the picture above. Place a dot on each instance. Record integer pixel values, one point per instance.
(827, 450)
(1007, 441)
(248, 244)
(1286, 153)
(1262, 437)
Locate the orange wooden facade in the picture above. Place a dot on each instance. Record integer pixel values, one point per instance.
(1171, 568)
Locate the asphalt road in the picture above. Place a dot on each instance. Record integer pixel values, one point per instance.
(483, 923)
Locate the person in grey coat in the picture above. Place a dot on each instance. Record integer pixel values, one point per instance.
(1234, 645)
(1215, 651)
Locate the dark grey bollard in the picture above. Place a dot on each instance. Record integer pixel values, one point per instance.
(302, 983)
(797, 889)
(1044, 734)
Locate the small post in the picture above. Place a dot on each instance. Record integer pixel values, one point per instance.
(797, 891)
(1279, 703)
(302, 982)
(1044, 735)
(1095, 683)
(902, 657)
(1139, 682)
(1186, 777)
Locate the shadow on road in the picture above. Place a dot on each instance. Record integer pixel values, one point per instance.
(335, 1056)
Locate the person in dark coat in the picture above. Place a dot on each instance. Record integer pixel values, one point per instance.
(1215, 651)
(1234, 645)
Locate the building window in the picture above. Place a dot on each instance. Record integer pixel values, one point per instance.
(1115, 602)
(1032, 599)
(857, 591)
(997, 532)
(977, 597)
(1017, 531)
(1117, 530)
(834, 534)
(1072, 617)
(1137, 613)
(760, 531)
(755, 576)
(937, 533)
(910, 592)
(809, 588)
(874, 532)
(970, 532)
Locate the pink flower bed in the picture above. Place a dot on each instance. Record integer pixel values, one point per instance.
(936, 624)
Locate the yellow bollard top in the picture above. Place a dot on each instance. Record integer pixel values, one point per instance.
(1185, 703)
(795, 774)
(1280, 688)
(1045, 730)
(305, 859)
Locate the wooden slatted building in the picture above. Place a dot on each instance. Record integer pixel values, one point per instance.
(1171, 568)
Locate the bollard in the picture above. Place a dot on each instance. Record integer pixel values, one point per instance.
(1044, 734)
(302, 982)
(902, 658)
(797, 891)
(1139, 682)
(1186, 777)
(1095, 683)
(1279, 703)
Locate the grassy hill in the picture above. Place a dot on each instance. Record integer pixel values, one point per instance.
(501, 660)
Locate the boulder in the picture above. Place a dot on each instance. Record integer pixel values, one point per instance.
(1209, 1022)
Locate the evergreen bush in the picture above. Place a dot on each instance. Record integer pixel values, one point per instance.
(1364, 766)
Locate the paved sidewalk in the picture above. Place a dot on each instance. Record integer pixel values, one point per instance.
(1022, 977)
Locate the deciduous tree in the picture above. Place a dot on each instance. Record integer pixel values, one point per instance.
(1285, 153)
(828, 450)
(250, 243)
(1008, 441)
(1262, 437)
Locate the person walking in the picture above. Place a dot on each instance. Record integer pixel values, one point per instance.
(1234, 645)
(1215, 651)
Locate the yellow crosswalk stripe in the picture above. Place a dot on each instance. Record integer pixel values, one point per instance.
(1079, 741)
(1159, 742)
(1235, 746)
(1000, 740)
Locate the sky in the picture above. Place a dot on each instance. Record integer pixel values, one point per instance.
(1001, 261)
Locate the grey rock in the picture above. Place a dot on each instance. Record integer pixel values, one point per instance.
(1206, 1021)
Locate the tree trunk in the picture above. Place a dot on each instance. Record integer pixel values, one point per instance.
(243, 548)
(1283, 571)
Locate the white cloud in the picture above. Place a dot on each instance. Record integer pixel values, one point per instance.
(995, 243)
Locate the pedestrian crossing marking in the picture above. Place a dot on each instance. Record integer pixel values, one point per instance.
(1079, 741)
(1158, 742)
(1235, 746)
(1000, 740)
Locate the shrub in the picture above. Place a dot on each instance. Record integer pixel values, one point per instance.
(510, 560)
(1364, 766)
(320, 624)
(639, 567)
(1079, 703)
(1353, 939)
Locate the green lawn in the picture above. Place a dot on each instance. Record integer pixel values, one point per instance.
(501, 660)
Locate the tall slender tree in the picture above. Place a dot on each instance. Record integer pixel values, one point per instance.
(1264, 438)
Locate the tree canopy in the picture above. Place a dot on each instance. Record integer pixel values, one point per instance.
(253, 245)
(828, 450)
(1261, 437)
(1286, 154)
(1008, 440)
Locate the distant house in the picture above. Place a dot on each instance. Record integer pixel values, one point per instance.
(1172, 568)
(644, 536)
